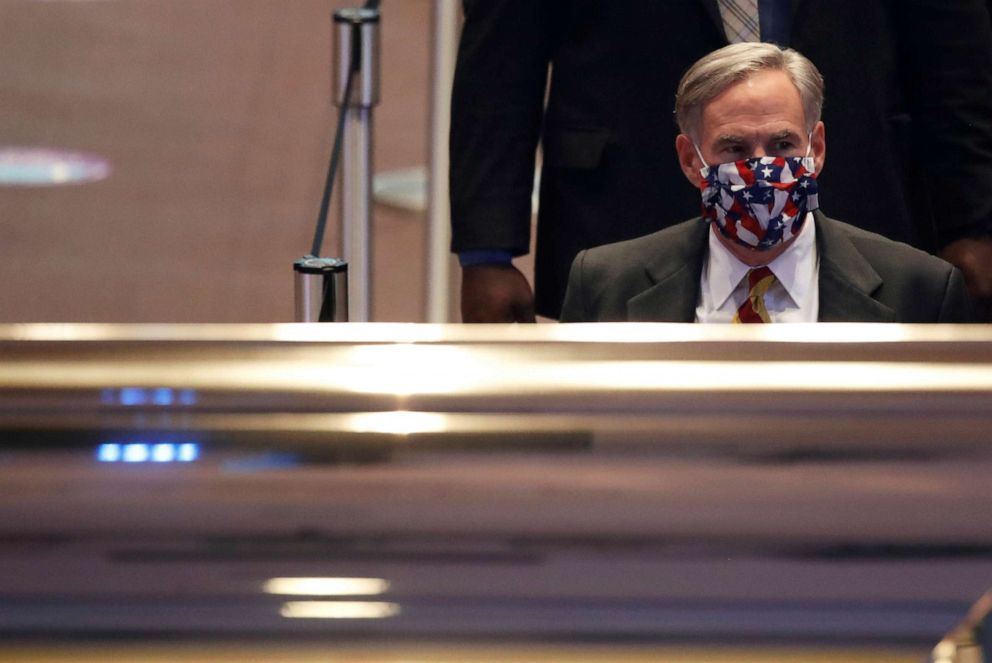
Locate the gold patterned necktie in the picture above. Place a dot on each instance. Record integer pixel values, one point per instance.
(740, 20)
(753, 309)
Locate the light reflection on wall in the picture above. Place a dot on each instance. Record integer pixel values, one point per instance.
(35, 166)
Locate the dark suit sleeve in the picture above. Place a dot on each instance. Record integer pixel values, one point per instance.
(496, 110)
(956, 306)
(945, 56)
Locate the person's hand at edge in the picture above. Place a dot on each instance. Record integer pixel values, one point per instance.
(496, 293)
(973, 256)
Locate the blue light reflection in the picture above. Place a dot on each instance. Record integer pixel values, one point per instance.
(145, 452)
(155, 396)
(162, 396)
(108, 453)
(163, 453)
(188, 452)
(133, 396)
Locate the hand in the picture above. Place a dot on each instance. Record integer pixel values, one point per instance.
(496, 293)
(974, 258)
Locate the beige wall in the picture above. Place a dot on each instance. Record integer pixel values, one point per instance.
(216, 117)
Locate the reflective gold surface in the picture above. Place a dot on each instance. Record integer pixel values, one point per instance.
(656, 483)
(660, 383)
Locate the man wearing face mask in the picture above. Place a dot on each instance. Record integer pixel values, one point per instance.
(752, 142)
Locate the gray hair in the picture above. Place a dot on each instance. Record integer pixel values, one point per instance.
(714, 73)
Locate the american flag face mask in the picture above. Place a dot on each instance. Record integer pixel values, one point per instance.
(759, 202)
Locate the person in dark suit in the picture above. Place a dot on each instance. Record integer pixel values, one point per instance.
(753, 143)
(910, 95)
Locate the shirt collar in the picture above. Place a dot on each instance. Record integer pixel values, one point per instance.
(793, 268)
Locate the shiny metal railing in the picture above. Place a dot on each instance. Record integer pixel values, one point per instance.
(822, 483)
(854, 387)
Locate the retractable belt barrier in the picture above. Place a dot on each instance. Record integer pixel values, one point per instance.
(324, 289)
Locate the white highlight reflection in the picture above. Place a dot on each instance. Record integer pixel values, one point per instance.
(410, 369)
(399, 422)
(339, 610)
(326, 586)
(945, 652)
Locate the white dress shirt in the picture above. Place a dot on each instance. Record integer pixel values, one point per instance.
(793, 297)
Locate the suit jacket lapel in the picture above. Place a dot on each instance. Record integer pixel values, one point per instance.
(672, 299)
(847, 280)
(673, 278)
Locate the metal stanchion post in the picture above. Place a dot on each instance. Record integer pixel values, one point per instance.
(321, 289)
(356, 59)
(324, 291)
(441, 271)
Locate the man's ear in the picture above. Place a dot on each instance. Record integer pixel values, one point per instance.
(688, 159)
(818, 146)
